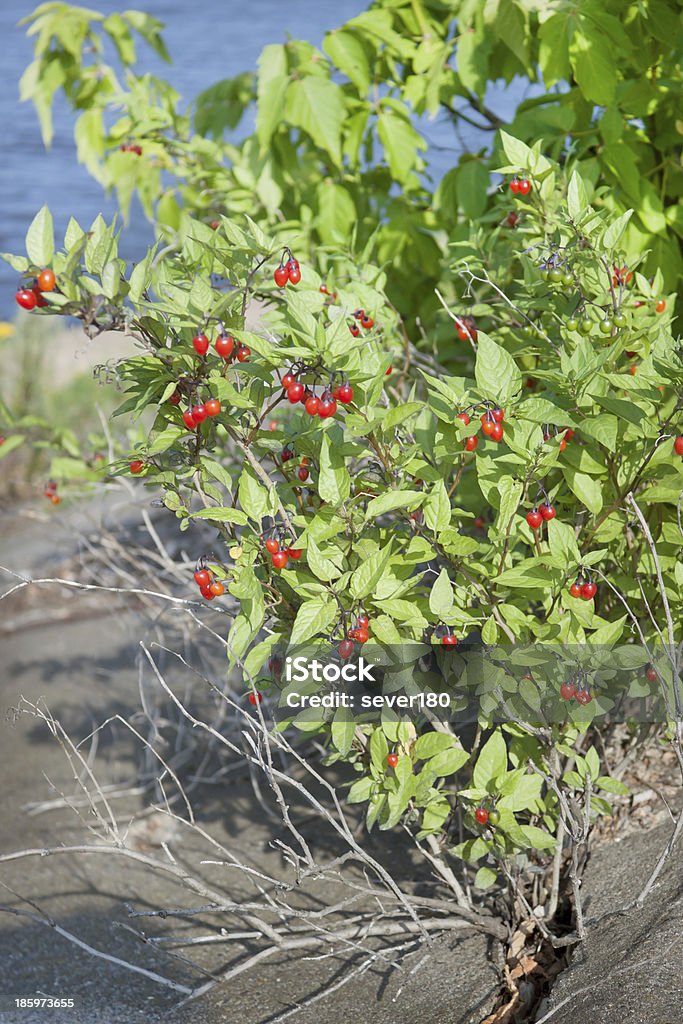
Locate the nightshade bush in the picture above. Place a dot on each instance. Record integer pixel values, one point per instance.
(553, 304)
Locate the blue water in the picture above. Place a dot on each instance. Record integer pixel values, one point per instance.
(207, 41)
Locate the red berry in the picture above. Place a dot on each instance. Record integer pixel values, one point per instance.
(294, 553)
(497, 432)
(514, 185)
(206, 593)
(217, 589)
(40, 301)
(323, 289)
(272, 545)
(279, 559)
(480, 522)
(661, 306)
(293, 272)
(449, 640)
(46, 280)
(135, 149)
(199, 412)
(137, 466)
(202, 577)
(359, 314)
(548, 511)
(345, 394)
(328, 406)
(678, 445)
(255, 698)
(213, 407)
(200, 344)
(588, 591)
(345, 649)
(498, 415)
(55, 499)
(189, 420)
(26, 298)
(512, 219)
(567, 691)
(392, 760)
(243, 353)
(367, 322)
(388, 372)
(224, 345)
(584, 696)
(281, 276)
(471, 443)
(362, 636)
(287, 454)
(174, 399)
(534, 519)
(651, 674)
(302, 473)
(288, 380)
(312, 405)
(464, 417)
(295, 393)
(352, 634)
(575, 589)
(481, 815)
(487, 426)
(363, 622)
(355, 330)
(524, 187)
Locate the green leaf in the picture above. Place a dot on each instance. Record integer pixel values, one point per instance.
(393, 500)
(317, 106)
(252, 496)
(448, 762)
(495, 370)
(367, 575)
(562, 542)
(485, 878)
(401, 143)
(586, 488)
(347, 52)
(313, 617)
(491, 763)
(593, 61)
(441, 595)
(40, 241)
(343, 730)
(217, 514)
(273, 78)
(577, 200)
(437, 508)
(379, 748)
(431, 743)
(334, 482)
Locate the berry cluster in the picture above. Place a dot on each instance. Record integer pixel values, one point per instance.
(583, 587)
(331, 296)
(621, 276)
(565, 434)
(323, 405)
(208, 587)
(29, 298)
(576, 689)
(362, 318)
(50, 492)
(491, 423)
(467, 328)
(280, 554)
(360, 633)
(288, 271)
(224, 345)
(486, 816)
(520, 185)
(196, 414)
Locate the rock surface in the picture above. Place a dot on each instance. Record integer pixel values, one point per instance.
(630, 970)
